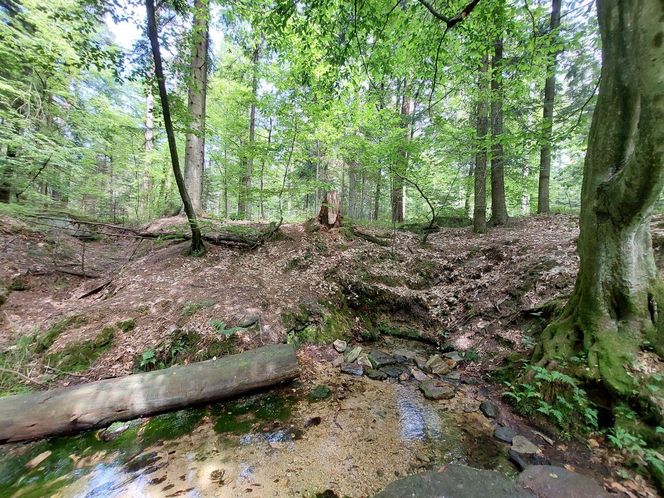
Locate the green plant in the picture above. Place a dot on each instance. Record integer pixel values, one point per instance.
(148, 360)
(220, 327)
(471, 355)
(557, 396)
(190, 308)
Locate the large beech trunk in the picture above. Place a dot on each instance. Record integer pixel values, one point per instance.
(89, 406)
(618, 299)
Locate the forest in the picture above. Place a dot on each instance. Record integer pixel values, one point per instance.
(246, 247)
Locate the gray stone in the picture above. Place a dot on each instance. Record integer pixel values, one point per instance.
(420, 362)
(394, 371)
(489, 409)
(548, 481)
(523, 460)
(248, 320)
(437, 366)
(352, 369)
(418, 374)
(456, 481)
(436, 389)
(338, 361)
(374, 374)
(340, 345)
(522, 445)
(453, 377)
(504, 434)
(453, 355)
(353, 354)
(404, 356)
(363, 360)
(379, 359)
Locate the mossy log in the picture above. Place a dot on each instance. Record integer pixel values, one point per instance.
(97, 404)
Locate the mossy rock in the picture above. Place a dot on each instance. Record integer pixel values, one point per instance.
(319, 393)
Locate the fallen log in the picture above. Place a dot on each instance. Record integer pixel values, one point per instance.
(97, 404)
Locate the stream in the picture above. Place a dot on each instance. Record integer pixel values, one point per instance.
(350, 437)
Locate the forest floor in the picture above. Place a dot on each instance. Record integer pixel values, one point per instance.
(143, 304)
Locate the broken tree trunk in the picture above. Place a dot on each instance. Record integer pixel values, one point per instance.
(330, 213)
(89, 406)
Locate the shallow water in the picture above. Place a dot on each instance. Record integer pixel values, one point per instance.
(365, 435)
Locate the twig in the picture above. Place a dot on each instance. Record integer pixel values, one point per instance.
(24, 377)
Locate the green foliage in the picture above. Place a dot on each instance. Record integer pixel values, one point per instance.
(556, 396)
(126, 325)
(220, 327)
(190, 309)
(41, 342)
(77, 357)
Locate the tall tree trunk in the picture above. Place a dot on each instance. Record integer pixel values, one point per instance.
(376, 209)
(194, 152)
(547, 124)
(262, 200)
(197, 246)
(479, 211)
(149, 147)
(244, 203)
(6, 174)
(618, 300)
(498, 205)
(398, 200)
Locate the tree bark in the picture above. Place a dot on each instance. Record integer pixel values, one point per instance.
(149, 147)
(547, 124)
(244, 203)
(330, 213)
(98, 404)
(479, 211)
(619, 297)
(197, 246)
(398, 201)
(498, 205)
(194, 152)
(5, 176)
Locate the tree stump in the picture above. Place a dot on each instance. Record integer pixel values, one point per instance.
(329, 215)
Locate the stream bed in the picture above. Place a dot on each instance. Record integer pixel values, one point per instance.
(329, 434)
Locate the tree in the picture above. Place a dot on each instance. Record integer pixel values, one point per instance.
(547, 124)
(197, 246)
(619, 297)
(194, 152)
(479, 212)
(498, 204)
(244, 205)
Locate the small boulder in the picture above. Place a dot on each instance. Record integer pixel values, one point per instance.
(504, 434)
(455, 481)
(394, 371)
(338, 361)
(353, 354)
(248, 320)
(374, 374)
(404, 356)
(340, 345)
(352, 369)
(319, 393)
(489, 409)
(556, 482)
(522, 445)
(363, 360)
(521, 461)
(454, 356)
(436, 389)
(437, 366)
(418, 374)
(379, 359)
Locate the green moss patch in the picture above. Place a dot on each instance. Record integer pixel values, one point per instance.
(126, 325)
(239, 417)
(78, 357)
(44, 341)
